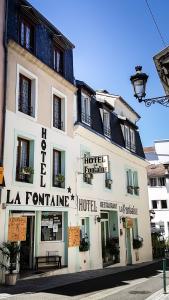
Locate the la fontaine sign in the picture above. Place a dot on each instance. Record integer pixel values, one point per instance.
(95, 164)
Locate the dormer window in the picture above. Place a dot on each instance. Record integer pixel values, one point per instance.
(85, 109)
(106, 123)
(129, 137)
(58, 60)
(26, 35)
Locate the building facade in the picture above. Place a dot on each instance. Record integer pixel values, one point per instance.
(158, 186)
(73, 157)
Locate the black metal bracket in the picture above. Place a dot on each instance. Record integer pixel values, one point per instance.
(164, 100)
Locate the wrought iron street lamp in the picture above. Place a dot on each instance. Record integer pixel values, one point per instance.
(139, 81)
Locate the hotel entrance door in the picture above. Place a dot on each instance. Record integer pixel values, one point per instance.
(27, 247)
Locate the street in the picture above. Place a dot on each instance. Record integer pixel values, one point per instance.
(138, 284)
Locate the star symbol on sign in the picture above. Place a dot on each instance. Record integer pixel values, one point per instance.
(72, 197)
(69, 189)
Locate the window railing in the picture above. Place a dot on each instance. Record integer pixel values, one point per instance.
(26, 109)
(86, 118)
(130, 189)
(107, 131)
(58, 124)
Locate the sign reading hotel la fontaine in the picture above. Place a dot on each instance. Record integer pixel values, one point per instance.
(95, 164)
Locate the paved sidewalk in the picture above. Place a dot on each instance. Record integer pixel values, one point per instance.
(44, 281)
(160, 295)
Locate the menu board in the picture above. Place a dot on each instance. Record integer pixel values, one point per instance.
(128, 223)
(74, 236)
(17, 229)
(1, 175)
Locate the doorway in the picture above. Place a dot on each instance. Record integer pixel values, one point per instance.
(27, 246)
(128, 247)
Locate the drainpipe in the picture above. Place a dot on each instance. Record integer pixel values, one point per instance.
(4, 84)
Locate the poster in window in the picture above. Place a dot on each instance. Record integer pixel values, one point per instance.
(17, 229)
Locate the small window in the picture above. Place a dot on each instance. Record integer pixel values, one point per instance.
(24, 103)
(57, 114)
(154, 204)
(85, 109)
(58, 169)
(132, 182)
(106, 123)
(108, 180)
(129, 137)
(153, 181)
(163, 204)
(26, 35)
(51, 226)
(87, 178)
(24, 164)
(58, 60)
(161, 181)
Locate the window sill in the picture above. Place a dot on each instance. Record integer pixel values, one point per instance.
(23, 115)
(61, 131)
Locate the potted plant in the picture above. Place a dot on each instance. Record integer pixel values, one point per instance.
(130, 189)
(84, 244)
(137, 242)
(59, 178)
(136, 190)
(10, 252)
(27, 171)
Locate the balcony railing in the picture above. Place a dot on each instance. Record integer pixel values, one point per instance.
(107, 131)
(26, 109)
(86, 118)
(58, 124)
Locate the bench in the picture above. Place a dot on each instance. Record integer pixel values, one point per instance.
(47, 260)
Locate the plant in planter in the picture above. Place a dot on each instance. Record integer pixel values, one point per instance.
(136, 190)
(84, 244)
(59, 178)
(137, 243)
(10, 252)
(27, 171)
(130, 189)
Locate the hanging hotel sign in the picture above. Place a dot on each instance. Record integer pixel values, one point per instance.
(95, 164)
(73, 236)
(17, 229)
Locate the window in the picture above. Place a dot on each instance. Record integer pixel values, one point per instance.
(51, 226)
(26, 35)
(57, 117)
(129, 137)
(87, 178)
(24, 163)
(163, 204)
(58, 169)
(154, 204)
(106, 123)
(161, 181)
(24, 103)
(132, 182)
(153, 181)
(84, 234)
(108, 180)
(85, 109)
(157, 181)
(58, 60)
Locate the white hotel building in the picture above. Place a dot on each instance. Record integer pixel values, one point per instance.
(52, 124)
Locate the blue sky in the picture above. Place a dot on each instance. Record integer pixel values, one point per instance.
(111, 38)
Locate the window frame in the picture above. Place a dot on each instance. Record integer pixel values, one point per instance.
(132, 182)
(85, 108)
(34, 92)
(22, 178)
(56, 50)
(64, 117)
(106, 127)
(20, 100)
(63, 225)
(129, 137)
(59, 116)
(27, 24)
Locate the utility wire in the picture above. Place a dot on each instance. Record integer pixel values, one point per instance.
(155, 23)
